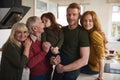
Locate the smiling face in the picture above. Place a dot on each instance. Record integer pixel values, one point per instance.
(21, 35)
(19, 32)
(88, 22)
(73, 17)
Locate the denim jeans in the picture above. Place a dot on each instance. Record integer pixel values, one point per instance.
(41, 77)
(64, 76)
(86, 70)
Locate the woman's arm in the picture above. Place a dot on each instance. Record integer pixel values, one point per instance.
(99, 48)
(101, 69)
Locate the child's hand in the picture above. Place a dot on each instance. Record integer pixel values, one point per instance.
(54, 50)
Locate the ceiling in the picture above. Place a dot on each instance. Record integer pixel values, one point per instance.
(61, 2)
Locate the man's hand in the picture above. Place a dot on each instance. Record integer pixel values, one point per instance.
(55, 60)
(60, 68)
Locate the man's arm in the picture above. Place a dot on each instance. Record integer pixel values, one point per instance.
(82, 61)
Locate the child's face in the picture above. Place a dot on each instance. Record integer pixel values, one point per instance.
(46, 21)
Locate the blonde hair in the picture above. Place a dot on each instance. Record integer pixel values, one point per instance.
(16, 27)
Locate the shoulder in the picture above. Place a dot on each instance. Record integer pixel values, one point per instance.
(96, 34)
(83, 32)
(9, 46)
(47, 29)
(64, 28)
(82, 29)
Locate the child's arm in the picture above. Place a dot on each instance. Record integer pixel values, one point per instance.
(61, 39)
(55, 50)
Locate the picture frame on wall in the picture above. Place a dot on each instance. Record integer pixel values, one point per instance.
(40, 5)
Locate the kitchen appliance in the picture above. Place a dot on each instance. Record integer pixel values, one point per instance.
(12, 11)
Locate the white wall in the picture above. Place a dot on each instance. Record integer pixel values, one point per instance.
(4, 33)
(31, 12)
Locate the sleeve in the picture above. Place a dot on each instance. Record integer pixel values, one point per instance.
(84, 38)
(43, 36)
(98, 44)
(61, 39)
(14, 56)
(34, 59)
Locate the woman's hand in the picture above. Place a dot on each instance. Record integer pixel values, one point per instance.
(27, 43)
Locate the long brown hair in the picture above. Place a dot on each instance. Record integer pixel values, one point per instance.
(97, 25)
(52, 18)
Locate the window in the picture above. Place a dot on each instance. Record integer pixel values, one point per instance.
(62, 14)
(115, 22)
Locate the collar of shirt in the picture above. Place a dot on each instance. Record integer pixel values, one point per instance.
(34, 38)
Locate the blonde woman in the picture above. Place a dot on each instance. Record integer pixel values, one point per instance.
(15, 53)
